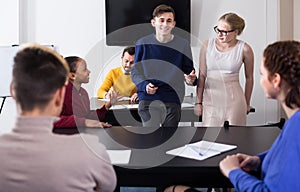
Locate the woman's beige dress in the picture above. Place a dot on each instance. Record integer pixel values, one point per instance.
(223, 97)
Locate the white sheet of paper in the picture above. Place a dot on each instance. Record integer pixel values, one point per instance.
(114, 107)
(119, 156)
(124, 99)
(201, 150)
(119, 99)
(132, 106)
(124, 106)
(102, 99)
(186, 105)
(198, 124)
(185, 124)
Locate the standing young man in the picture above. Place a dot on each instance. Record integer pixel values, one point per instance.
(32, 157)
(163, 61)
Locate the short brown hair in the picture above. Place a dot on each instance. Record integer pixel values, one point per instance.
(160, 9)
(38, 72)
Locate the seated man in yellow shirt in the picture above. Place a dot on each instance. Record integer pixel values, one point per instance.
(118, 80)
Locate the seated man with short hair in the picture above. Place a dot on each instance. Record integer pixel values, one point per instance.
(32, 157)
(118, 80)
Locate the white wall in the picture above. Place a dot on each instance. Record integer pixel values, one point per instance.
(9, 23)
(78, 28)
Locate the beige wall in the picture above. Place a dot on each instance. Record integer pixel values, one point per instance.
(289, 25)
(289, 20)
(286, 20)
(296, 20)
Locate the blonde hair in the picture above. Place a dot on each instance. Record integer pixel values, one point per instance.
(235, 21)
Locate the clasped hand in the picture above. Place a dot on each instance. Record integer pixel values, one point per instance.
(151, 89)
(190, 78)
(245, 162)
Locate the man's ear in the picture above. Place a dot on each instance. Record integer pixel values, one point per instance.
(61, 94)
(12, 91)
(174, 23)
(153, 22)
(59, 97)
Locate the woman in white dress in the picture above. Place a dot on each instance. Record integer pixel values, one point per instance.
(220, 96)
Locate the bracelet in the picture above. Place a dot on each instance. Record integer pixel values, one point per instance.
(198, 103)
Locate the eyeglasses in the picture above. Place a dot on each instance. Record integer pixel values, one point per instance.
(223, 33)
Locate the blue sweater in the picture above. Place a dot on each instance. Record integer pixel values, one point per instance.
(164, 65)
(280, 169)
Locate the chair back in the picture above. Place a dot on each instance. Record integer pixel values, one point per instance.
(279, 124)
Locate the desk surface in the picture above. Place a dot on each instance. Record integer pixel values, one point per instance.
(130, 117)
(150, 165)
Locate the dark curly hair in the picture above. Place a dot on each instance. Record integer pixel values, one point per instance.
(283, 57)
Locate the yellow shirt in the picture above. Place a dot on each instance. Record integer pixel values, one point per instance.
(120, 82)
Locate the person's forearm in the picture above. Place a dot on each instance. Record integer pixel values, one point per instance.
(107, 105)
(248, 90)
(69, 121)
(200, 89)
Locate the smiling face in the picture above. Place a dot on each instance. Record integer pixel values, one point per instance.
(164, 23)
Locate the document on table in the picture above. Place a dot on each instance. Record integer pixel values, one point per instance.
(119, 99)
(114, 107)
(187, 105)
(124, 106)
(119, 156)
(201, 150)
(132, 106)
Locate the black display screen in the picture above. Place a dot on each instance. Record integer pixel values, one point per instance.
(129, 20)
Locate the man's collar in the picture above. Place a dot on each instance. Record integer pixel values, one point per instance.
(124, 72)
